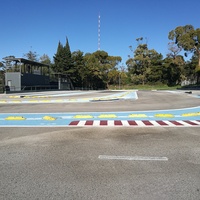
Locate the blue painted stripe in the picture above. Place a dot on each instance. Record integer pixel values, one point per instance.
(66, 118)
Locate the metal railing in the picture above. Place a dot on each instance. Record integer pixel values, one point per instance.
(34, 88)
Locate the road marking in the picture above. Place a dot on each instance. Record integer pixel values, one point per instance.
(137, 115)
(14, 118)
(96, 123)
(139, 123)
(49, 118)
(136, 123)
(164, 115)
(125, 123)
(83, 116)
(89, 123)
(191, 114)
(196, 121)
(58, 120)
(37, 98)
(155, 123)
(81, 123)
(111, 123)
(107, 116)
(74, 123)
(133, 158)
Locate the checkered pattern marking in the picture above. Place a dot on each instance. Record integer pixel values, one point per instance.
(137, 123)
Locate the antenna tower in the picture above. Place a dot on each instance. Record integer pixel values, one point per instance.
(99, 32)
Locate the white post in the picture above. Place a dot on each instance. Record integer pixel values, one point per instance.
(59, 83)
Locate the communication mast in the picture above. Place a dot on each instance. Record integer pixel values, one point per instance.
(99, 32)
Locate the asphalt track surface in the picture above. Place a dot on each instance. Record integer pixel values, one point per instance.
(172, 117)
(114, 163)
(147, 100)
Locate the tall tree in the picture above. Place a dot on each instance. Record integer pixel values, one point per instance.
(174, 64)
(45, 59)
(155, 70)
(174, 50)
(189, 70)
(139, 64)
(63, 60)
(8, 65)
(67, 56)
(31, 55)
(80, 72)
(172, 73)
(188, 38)
(112, 72)
(1, 66)
(58, 59)
(145, 65)
(107, 65)
(93, 74)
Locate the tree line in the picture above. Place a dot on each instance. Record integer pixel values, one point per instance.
(147, 66)
(143, 66)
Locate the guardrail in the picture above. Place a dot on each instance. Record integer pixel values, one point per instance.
(39, 87)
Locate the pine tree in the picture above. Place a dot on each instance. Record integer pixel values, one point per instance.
(58, 63)
(67, 58)
(63, 59)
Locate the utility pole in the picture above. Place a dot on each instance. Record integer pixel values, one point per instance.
(99, 32)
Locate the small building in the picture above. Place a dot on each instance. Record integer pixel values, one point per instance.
(22, 74)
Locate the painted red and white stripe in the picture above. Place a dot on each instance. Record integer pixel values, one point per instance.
(137, 123)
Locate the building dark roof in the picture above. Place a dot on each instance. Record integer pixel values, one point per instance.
(26, 61)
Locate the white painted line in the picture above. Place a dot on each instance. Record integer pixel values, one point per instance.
(169, 123)
(195, 121)
(184, 123)
(65, 117)
(154, 123)
(96, 123)
(140, 123)
(110, 122)
(125, 123)
(34, 118)
(134, 158)
(81, 123)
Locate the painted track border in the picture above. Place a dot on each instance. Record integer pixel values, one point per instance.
(111, 123)
(135, 123)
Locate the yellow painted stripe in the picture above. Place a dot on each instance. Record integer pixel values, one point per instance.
(3, 101)
(49, 118)
(15, 118)
(83, 116)
(164, 115)
(33, 101)
(14, 97)
(46, 101)
(137, 115)
(107, 116)
(96, 99)
(191, 114)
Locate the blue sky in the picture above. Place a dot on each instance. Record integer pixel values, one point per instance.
(40, 24)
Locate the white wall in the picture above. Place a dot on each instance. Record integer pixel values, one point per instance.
(13, 80)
